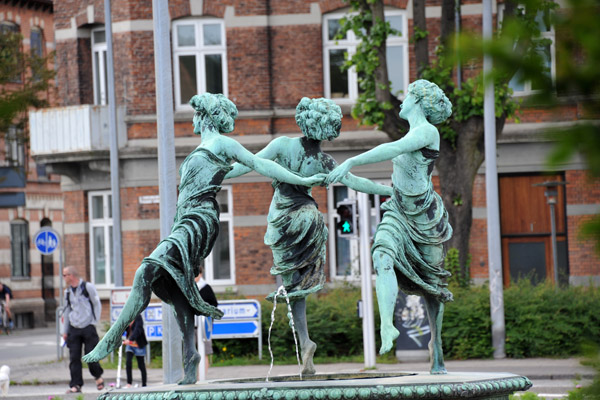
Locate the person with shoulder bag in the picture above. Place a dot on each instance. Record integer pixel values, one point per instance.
(81, 313)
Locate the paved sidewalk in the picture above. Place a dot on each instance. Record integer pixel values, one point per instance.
(554, 377)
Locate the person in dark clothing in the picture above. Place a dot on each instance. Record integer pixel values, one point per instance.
(5, 296)
(208, 296)
(135, 345)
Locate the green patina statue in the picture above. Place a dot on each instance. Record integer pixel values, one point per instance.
(170, 270)
(296, 230)
(408, 245)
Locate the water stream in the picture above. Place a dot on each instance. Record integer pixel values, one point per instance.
(281, 290)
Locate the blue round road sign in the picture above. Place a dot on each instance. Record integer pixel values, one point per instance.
(46, 241)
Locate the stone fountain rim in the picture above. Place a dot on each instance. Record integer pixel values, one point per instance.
(418, 386)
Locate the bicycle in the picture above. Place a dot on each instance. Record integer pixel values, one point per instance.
(5, 324)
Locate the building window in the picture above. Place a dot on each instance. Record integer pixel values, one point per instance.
(199, 56)
(101, 231)
(19, 246)
(342, 86)
(219, 266)
(99, 61)
(519, 86)
(14, 143)
(7, 28)
(344, 253)
(35, 42)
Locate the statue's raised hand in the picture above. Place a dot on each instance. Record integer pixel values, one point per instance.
(339, 172)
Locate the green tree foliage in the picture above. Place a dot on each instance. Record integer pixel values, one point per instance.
(23, 78)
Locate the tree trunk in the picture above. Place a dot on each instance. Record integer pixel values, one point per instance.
(447, 20)
(393, 125)
(457, 168)
(421, 43)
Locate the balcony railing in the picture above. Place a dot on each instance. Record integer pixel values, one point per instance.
(72, 129)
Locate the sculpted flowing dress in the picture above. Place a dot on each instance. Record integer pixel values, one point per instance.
(194, 232)
(297, 235)
(415, 217)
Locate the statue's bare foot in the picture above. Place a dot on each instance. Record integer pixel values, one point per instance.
(438, 370)
(388, 335)
(190, 369)
(308, 351)
(437, 359)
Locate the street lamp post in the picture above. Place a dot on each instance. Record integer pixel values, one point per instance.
(551, 193)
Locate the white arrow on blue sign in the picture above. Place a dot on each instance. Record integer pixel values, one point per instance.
(46, 241)
(232, 329)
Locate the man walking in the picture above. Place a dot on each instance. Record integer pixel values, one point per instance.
(82, 313)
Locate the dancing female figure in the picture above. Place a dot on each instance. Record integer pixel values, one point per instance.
(296, 230)
(170, 270)
(408, 245)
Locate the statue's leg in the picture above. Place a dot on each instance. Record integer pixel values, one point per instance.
(435, 313)
(386, 286)
(307, 346)
(191, 358)
(434, 255)
(138, 300)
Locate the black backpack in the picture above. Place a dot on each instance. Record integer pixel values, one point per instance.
(84, 291)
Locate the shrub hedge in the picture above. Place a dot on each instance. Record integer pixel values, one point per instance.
(541, 321)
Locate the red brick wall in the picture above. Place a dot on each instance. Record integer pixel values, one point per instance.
(252, 198)
(253, 259)
(582, 190)
(297, 64)
(77, 245)
(248, 67)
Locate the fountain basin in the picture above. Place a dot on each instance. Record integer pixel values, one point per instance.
(366, 386)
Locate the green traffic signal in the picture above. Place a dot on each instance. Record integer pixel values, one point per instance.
(346, 227)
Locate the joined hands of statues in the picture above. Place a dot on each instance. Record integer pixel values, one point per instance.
(338, 173)
(316, 180)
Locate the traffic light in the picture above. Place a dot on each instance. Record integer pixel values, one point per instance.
(346, 225)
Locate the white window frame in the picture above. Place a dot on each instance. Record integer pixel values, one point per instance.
(350, 43)
(333, 219)
(106, 222)
(551, 34)
(200, 50)
(100, 77)
(209, 261)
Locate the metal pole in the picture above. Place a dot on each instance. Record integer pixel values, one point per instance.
(367, 284)
(167, 177)
(114, 150)
(59, 348)
(554, 251)
(200, 321)
(491, 194)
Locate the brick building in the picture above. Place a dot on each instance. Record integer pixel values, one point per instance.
(34, 200)
(265, 56)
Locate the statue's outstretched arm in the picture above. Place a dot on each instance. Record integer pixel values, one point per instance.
(266, 167)
(383, 152)
(366, 185)
(269, 152)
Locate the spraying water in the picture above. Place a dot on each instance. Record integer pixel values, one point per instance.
(281, 290)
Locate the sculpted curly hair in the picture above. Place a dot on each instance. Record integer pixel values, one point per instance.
(319, 119)
(433, 101)
(217, 108)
